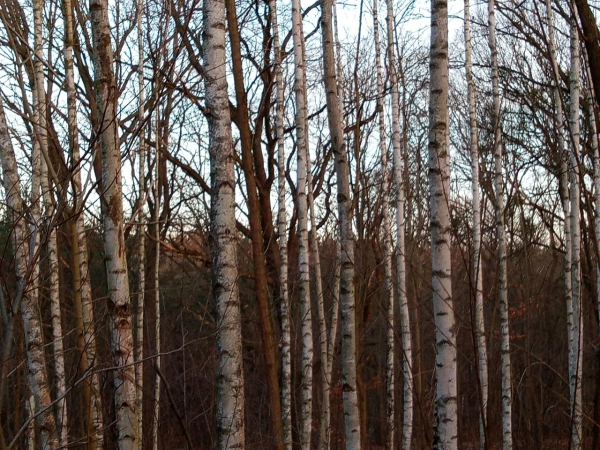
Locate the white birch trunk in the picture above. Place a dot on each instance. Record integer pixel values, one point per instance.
(575, 338)
(335, 121)
(303, 246)
(477, 281)
(52, 244)
(325, 423)
(387, 239)
(564, 182)
(24, 255)
(156, 223)
(286, 354)
(446, 431)
(507, 440)
(139, 325)
(230, 378)
(122, 347)
(407, 359)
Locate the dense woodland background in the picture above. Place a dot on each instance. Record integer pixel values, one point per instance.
(75, 77)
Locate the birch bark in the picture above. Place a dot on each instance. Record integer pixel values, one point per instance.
(575, 338)
(157, 319)
(446, 431)
(507, 440)
(139, 314)
(387, 238)
(348, 319)
(303, 246)
(52, 244)
(407, 359)
(286, 355)
(24, 255)
(477, 282)
(564, 176)
(112, 217)
(230, 378)
(322, 324)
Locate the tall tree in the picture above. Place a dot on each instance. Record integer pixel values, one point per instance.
(112, 218)
(446, 430)
(156, 273)
(407, 359)
(507, 439)
(303, 244)
(348, 308)
(51, 238)
(259, 218)
(86, 335)
(141, 295)
(477, 277)
(25, 302)
(387, 237)
(576, 323)
(286, 351)
(230, 376)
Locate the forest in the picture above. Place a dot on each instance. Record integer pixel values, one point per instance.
(258, 224)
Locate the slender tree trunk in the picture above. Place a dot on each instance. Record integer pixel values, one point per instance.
(507, 440)
(83, 292)
(30, 433)
(247, 143)
(157, 340)
(28, 306)
(446, 431)
(576, 343)
(52, 244)
(321, 322)
(596, 164)
(286, 353)
(387, 238)
(139, 325)
(112, 214)
(477, 282)
(230, 377)
(303, 245)
(407, 359)
(349, 388)
(81, 280)
(564, 181)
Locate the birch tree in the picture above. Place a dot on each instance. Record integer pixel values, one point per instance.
(407, 359)
(112, 218)
(157, 318)
(349, 389)
(477, 280)
(446, 430)
(576, 325)
(51, 239)
(564, 179)
(507, 440)
(321, 322)
(303, 245)
(139, 313)
(286, 353)
(26, 302)
(81, 281)
(387, 237)
(230, 378)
